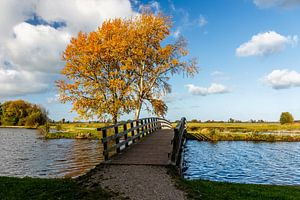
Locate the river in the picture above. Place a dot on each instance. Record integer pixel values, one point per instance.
(243, 162)
(23, 152)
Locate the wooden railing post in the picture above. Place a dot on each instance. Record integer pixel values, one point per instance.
(138, 130)
(126, 135)
(132, 132)
(151, 125)
(148, 126)
(117, 139)
(175, 145)
(105, 146)
(142, 123)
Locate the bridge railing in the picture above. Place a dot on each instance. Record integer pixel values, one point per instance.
(178, 143)
(118, 137)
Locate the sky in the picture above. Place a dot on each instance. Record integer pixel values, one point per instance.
(248, 53)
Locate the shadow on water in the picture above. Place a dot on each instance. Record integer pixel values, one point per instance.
(24, 153)
(243, 162)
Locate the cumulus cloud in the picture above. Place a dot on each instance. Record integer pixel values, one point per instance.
(277, 3)
(82, 15)
(283, 79)
(30, 51)
(264, 44)
(19, 82)
(37, 48)
(214, 88)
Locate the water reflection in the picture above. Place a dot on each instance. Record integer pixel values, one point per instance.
(244, 162)
(24, 153)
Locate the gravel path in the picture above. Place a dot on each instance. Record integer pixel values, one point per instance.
(136, 182)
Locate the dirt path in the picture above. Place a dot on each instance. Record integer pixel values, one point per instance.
(136, 182)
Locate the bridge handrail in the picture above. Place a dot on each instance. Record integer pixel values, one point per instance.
(138, 128)
(178, 141)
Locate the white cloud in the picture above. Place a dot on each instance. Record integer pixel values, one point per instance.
(37, 48)
(13, 12)
(18, 82)
(214, 88)
(28, 52)
(282, 79)
(277, 3)
(82, 15)
(219, 76)
(264, 44)
(202, 21)
(54, 99)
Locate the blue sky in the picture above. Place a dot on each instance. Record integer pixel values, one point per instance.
(248, 52)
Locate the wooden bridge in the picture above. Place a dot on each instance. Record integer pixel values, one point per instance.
(148, 141)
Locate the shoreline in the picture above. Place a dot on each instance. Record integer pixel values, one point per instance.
(214, 136)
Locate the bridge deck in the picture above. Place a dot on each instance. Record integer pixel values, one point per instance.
(150, 150)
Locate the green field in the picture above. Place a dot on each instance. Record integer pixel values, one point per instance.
(270, 132)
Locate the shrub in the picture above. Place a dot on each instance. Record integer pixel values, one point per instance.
(286, 118)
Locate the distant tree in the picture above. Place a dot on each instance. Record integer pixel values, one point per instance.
(22, 113)
(194, 121)
(63, 120)
(231, 120)
(286, 118)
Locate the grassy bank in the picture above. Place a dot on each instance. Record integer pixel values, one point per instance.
(244, 127)
(270, 132)
(209, 190)
(35, 188)
(74, 130)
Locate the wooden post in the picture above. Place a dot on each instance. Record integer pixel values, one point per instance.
(146, 127)
(138, 130)
(142, 123)
(105, 147)
(175, 145)
(117, 139)
(132, 132)
(126, 135)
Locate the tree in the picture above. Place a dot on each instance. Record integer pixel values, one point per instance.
(286, 118)
(122, 66)
(22, 113)
(154, 63)
(98, 72)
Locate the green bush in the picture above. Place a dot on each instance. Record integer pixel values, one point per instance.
(35, 119)
(286, 118)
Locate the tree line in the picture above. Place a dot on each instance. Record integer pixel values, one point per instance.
(22, 113)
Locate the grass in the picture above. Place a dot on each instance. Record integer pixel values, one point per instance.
(244, 127)
(211, 190)
(75, 130)
(245, 131)
(35, 188)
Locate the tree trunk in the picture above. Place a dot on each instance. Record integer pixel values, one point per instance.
(138, 111)
(115, 119)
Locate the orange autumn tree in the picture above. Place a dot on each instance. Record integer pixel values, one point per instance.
(155, 63)
(98, 79)
(123, 66)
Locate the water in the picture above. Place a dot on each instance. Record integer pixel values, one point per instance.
(23, 152)
(244, 162)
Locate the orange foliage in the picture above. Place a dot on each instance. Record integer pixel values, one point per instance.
(121, 66)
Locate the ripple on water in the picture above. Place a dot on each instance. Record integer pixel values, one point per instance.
(24, 153)
(243, 162)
